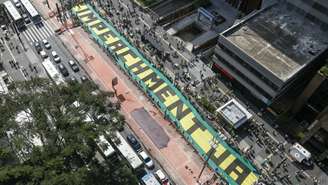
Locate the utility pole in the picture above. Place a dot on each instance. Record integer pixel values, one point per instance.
(214, 144)
(47, 1)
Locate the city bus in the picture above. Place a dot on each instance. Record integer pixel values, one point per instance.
(53, 72)
(31, 11)
(126, 150)
(13, 14)
(149, 179)
(105, 147)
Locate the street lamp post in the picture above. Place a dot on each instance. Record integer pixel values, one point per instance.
(214, 144)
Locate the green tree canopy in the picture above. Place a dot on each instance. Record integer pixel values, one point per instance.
(48, 135)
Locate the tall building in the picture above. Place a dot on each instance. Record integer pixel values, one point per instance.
(313, 9)
(311, 110)
(271, 51)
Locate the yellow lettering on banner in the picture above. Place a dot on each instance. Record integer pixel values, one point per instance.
(110, 39)
(80, 8)
(130, 60)
(239, 169)
(84, 13)
(122, 50)
(160, 87)
(170, 99)
(187, 122)
(219, 151)
(250, 179)
(94, 22)
(224, 165)
(102, 31)
(233, 175)
(135, 69)
(175, 110)
(145, 73)
(202, 138)
(85, 19)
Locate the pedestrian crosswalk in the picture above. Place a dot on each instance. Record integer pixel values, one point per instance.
(34, 33)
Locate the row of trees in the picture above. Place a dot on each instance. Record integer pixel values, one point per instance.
(67, 149)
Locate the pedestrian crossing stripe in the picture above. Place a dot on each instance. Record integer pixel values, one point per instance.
(35, 33)
(226, 162)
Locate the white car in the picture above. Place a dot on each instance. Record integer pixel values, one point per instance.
(55, 56)
(43, 54)
(17, 3)
(46, 44)
(147, 160)
(162, 178)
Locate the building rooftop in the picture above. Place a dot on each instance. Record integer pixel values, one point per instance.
(281, 40)
(234, 113)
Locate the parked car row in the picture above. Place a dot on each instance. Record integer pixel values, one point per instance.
(45, 45)
(134, 143)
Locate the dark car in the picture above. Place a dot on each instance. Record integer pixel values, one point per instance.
(63, 70)
(74, 66)
(134, 142)
(37, 47)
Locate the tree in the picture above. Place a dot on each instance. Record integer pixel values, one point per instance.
(66, 121)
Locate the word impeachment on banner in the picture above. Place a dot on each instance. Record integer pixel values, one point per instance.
(224, 160)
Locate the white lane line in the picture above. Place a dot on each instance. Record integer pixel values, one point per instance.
(41, 30)
(32, 35)
(49, 27)
(27, 36)
(35, 33)
(14, 59)
(46, 31)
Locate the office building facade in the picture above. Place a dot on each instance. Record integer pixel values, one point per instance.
(271, 51)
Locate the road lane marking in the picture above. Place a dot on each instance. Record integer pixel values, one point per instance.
(35, 33)
(48, 27)
(40, 31)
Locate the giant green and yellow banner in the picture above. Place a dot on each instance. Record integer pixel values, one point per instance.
(225, 161)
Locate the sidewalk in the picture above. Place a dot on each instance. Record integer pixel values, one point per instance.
(178, 159)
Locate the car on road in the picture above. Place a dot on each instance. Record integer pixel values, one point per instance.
(37, 47)
(162, 178)
(55, 56)
(63, 70)
(73, 79)
(147, 160)
(3, 27)
(134, 142)
(84, 78)
(17, 3)
(74, 66)
(43, 54)
(26, 19)
(46, 44)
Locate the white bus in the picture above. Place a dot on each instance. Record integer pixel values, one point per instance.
(31, 11)
(53, 72)
(126, 150)
(105, 147)
(149, 179)
(13, 14)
